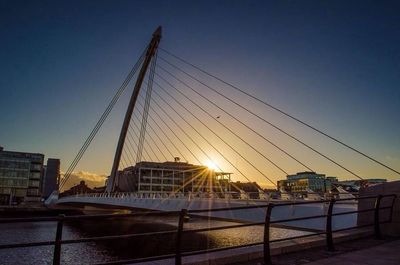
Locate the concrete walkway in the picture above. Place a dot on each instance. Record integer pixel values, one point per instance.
(358, 251)
(385, 254)
(366, 251)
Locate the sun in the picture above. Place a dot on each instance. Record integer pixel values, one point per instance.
(211, 165)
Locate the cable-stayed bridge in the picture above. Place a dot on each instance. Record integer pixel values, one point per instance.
(180, 111)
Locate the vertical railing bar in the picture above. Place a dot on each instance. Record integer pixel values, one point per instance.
(377, 227)
(329, 236)
(391, 208)
(178, 250)
(267, 247)
(57, 244)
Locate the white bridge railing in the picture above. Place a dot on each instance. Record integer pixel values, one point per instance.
(178, 195)
(202, 200)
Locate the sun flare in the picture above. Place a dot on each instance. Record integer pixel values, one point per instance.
(211, 165)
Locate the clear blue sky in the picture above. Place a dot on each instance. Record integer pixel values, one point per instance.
(334, 64)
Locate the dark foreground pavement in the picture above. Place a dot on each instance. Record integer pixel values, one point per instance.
(367, 251)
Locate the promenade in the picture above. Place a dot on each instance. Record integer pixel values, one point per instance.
(387, 254)
(358, 252)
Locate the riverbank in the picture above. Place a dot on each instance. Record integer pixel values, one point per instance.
(33, 210)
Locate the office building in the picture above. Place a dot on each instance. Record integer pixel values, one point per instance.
(51, 176)
(171, 177)
(303, 182)
(20, 177)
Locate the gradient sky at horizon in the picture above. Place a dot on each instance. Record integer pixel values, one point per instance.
(334, 64)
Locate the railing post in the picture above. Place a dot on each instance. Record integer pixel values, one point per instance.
(178, 255)
(57, 245)
(377, 227)
(329, 236)
(267, 249)
(391, 208)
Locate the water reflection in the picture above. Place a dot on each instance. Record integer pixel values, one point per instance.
(102, 251)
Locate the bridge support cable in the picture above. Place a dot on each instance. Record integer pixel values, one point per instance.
(132, 150)
(169, 140)
(156, 144)
(136, 117)
(100, 122)
(204, 138)
(145, 112)
(130, 137)
(176, 136)
(137, 136)
(130, 146)
(180, 128)
(212, 117)
(163, 133)
(152, 139)
(160, 140)
(219, 137)
(324, 133)
(232, 116)
(152, 48)
(187, 135)
(167, 137)
(201, 149)
(216, 149)
(124, 163)
(128, 151)
(265, 121)
(149, 145)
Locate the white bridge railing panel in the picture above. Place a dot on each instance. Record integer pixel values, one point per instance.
(178, 201)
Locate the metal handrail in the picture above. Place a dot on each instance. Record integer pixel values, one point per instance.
(61, 219)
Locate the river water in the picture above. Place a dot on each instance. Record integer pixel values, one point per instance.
(97, 252)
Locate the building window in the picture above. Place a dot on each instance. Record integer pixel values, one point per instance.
(35, 175)
(36, 167)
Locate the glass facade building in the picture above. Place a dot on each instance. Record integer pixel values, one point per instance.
(149, 177)
(20, 177)
(303, 182)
